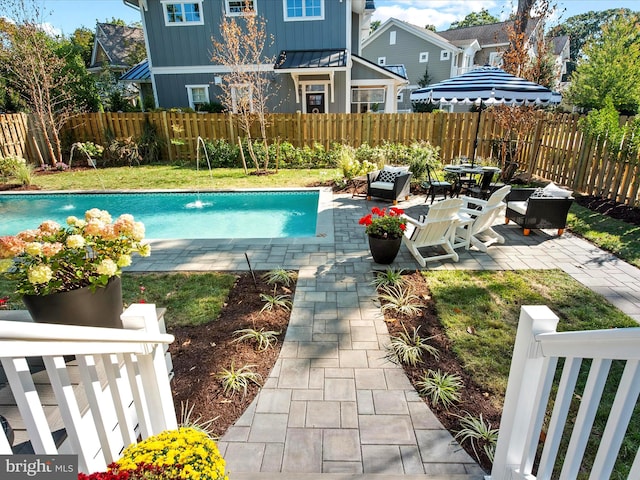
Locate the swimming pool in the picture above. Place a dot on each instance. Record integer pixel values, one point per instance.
(172, 215)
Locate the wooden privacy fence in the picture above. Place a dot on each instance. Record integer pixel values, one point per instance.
(555, 149)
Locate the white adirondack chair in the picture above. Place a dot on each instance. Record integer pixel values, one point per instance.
(437, 228)
(478, 229)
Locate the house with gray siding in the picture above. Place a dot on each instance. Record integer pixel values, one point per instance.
(446, 54)
(421, 51)
(316, 43)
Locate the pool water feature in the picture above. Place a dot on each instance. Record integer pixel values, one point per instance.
(176, 215)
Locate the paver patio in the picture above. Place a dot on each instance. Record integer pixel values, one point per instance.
(332, 404)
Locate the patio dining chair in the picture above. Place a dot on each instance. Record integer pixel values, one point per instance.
(435, 186)
(436, 229)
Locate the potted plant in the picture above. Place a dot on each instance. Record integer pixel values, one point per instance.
(71, 274)
(384, 229)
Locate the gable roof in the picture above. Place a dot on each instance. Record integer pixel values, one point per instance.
(559, 44)
(419, 32)
(392, 71)
(117, 42)
(491, 34)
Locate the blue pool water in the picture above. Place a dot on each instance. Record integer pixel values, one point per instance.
(255, 214)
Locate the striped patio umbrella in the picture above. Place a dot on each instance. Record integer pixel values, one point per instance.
(486, 85)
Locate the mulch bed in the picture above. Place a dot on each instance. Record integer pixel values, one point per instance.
(200, 353)
(475, 400)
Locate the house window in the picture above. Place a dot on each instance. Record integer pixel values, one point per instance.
(198, 95)
(236, 8)
(303, 10)
(382, 61)
(495, 59)
(392, 38)
(241, 98)
(182, 13)
(424, 57)
(368, 99)
(445, 55)
(400, 97)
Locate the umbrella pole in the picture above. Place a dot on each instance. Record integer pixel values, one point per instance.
(475, 141)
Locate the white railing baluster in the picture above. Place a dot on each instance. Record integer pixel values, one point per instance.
(5, 448)
(154, 365)
(584, 420)
(120, 395)
(78, 433)
(139, 397)
(540, 400)
(99, 409)
(561, 406)
(621, 411)
(24, 392)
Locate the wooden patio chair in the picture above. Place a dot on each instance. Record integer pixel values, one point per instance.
(480, 216)
(436, 229)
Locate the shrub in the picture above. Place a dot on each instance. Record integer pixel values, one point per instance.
(150, 143)
(24, 174)
(9, 166)
(222, 154)
(122, 151)
(421, 155)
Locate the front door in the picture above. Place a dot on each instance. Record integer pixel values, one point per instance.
(315, 102)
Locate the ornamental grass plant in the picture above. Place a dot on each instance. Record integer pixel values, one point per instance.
(85, 253)
(384, 223)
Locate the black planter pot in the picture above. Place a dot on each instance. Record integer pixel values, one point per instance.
(384, 250)
(101, 308)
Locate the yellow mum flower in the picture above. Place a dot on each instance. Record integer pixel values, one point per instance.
(124, 261)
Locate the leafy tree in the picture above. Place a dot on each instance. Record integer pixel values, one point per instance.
(82, 38)
(610, 68)
(374, 26)
(580, 28)
(37, 71)
(483, 17)
(246, 90)
(425, 79)
(430, 27)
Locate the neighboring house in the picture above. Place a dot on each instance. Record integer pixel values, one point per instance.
(447, 53)
(117, 47)
(562, 53)
(316, 44)
(419, 50)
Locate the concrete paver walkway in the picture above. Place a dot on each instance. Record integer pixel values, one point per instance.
(332, 404)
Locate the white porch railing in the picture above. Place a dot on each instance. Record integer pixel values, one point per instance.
(538, 348)
(116, 390)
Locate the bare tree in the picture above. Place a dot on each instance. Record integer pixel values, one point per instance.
(35, 71)
(246, 88)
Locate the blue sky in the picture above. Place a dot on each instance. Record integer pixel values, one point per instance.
(67, 15)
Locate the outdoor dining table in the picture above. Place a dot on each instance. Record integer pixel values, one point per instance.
(468, 175)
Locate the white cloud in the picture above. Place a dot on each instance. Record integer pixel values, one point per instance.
(433, 12)
(50, 30)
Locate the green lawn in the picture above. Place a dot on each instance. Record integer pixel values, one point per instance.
(179, 177)
(490, 302)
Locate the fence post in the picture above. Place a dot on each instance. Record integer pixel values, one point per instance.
(527, 371)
